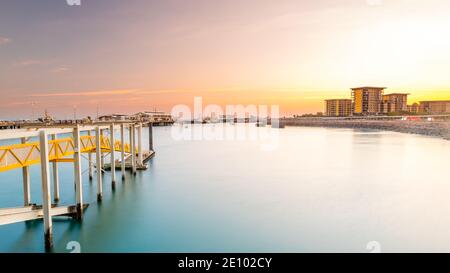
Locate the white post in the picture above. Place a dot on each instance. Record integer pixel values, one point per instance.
(98, 163)
(26, 182)
(45, 178)
(102, 159)
(133, 149)
(122, 148)
(140, 153)
(55, 174)
(150, 136)
(91, 164)
(77, 171)
(113, 156)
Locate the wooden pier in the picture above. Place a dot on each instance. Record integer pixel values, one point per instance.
(147, 155)
(53, 148)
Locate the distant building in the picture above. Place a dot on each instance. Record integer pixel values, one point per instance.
(154, 117)
(367, 100)
(387, 107)
(47, 119)
(395, 102)
(338, 107)
(114, 117)
(435, 107)
(413, 108)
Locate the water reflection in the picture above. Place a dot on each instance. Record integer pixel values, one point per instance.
(320, 190)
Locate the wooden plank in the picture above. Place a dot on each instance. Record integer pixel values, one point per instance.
(147, 155)
(16, 215)
(6, 211)
(20, 133)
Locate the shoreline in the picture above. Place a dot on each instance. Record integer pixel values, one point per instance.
(439, 129)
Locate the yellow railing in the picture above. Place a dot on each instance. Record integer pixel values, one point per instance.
(22, 155)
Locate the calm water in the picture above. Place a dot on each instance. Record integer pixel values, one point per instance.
(319, 190)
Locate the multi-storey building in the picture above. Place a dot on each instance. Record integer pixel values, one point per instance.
(367, 100)
(435, 107)
(413, 108)
(338, 107)
(395, 102)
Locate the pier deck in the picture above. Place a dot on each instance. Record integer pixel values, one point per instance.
(147, 155)
(65, 143)
(34, 212)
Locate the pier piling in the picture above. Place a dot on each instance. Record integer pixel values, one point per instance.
(140, 151)
(133, 149)
(55, 175)
(91, 164)
(45, 178)
(150, 136)
(77, 172)
(113, 156)
(98, 164)
(26, 182)
(122, 152)
(102, 158)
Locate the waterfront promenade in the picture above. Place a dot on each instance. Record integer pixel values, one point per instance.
(438, 128)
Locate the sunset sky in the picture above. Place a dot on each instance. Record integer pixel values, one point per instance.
(135, 55)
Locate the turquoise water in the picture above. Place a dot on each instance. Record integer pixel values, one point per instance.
(319, 190)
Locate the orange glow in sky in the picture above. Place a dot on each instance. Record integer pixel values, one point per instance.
(124, 58)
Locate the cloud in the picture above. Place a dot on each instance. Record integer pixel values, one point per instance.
(88, 93)
(116, 92)
(51, 64)
(4, 40)
(127, 94)
(30, 62)
(61, 69)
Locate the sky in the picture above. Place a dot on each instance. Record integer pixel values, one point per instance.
(115, 56)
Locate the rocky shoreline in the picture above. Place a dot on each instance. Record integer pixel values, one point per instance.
(429, 128)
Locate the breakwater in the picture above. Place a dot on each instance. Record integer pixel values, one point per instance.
(430, 128)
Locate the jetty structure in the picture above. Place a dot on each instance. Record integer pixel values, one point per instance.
(68, 143)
